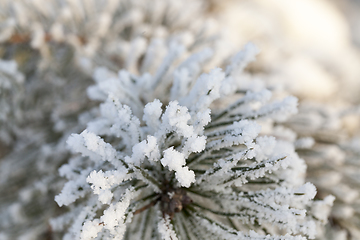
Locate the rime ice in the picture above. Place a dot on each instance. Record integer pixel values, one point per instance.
(144, 147)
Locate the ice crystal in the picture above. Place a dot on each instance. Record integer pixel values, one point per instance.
(171, 152)
(169, 156)
(42, 99)
(322, 132)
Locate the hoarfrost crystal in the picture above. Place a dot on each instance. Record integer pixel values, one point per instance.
(181, 162)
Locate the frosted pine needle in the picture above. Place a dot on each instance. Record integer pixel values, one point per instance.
(169, 156)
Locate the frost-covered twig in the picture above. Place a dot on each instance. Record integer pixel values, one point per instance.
(227, 177)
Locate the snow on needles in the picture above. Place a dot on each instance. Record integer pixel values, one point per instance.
(170, 160)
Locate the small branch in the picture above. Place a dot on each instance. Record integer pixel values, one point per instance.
(152, 203)
(18, 38)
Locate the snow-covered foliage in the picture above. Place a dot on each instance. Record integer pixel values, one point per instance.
(314, 59)
(178, 147)
(42, 99)
(333, 162)
(11, 92)
(180, 154)
(97, 27)
(39, 111)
